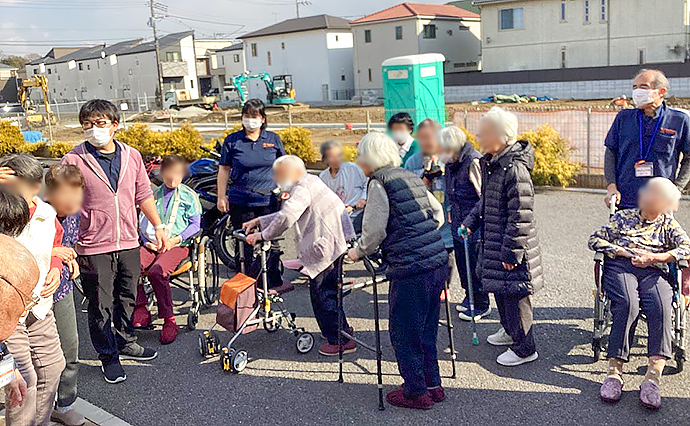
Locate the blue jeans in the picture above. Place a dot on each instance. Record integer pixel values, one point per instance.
(414, 303)
(481, 299)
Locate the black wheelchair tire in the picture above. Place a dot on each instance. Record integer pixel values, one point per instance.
(222, 240)
(212, 272)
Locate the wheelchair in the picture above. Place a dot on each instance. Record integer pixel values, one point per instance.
(198, 274)
(603, 316)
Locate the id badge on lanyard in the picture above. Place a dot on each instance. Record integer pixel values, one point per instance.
(643, 168)
(6, 370)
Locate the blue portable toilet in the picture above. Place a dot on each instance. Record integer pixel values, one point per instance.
(414, 84)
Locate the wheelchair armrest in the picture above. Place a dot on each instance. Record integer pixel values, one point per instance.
(598, 256)
(682, 264)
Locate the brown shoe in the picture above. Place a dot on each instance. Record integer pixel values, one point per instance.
(398, 398)
(437, 394)
(333, 350)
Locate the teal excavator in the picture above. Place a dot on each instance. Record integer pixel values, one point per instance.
(279, 88)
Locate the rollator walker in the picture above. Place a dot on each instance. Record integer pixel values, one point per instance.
(243, 306)
(602, 307)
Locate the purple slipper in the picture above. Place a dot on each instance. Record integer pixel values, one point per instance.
(650, 395)
(611, 390)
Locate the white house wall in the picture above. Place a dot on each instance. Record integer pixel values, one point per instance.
(539, 44)
(457, 40)
(226, 60)
(340, 50)
(305, 57)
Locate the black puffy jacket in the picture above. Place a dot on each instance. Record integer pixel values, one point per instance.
(506, 212)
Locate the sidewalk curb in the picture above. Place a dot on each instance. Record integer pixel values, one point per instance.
(97, 415)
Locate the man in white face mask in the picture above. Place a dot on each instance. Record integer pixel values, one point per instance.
(322, 228)
(116, 183)
(646, 142)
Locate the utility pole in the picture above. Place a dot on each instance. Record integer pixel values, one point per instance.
(158, 52)
(302, 3)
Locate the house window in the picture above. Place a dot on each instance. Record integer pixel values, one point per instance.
(173, 56)
(450, 33)
(563, 58)
(268, 58)
(603, 10)
(342, 77)
(640, 57)
(100, 82)
(222, 61)
(49, 70)
(191, 84)
(367, 36)
(81, 66)
(512, 18)
(236, 58)
(429, 31)
(398, 33)
(370, 76)
(58, 78)
(255, 51)
(35, 71)
(88, 67)
(563, 11)
(337, 38)
(587, 19)
(282, 43)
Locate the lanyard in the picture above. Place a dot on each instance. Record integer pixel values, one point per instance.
(651, 140)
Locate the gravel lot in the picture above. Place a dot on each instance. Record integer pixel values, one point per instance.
(281, 387)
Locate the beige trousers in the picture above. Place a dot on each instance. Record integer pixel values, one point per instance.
(35, 346)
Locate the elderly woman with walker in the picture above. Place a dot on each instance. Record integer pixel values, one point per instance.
(509, 262)
(402, 218)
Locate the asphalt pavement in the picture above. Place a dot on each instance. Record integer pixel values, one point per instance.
(279, 386)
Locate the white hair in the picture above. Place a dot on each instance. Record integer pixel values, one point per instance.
(668, 189)
(378, 150)
(290, 160)
(506, 123)
(452, 138)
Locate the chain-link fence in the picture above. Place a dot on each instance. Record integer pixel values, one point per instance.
(70, 110)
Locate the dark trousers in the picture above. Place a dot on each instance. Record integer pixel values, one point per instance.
(159, 267)
(66, 322)
(632, 290)
(481, 298)
(516, 319)
(323, 290)
(110, 282)
(414, 304)
(240, 214)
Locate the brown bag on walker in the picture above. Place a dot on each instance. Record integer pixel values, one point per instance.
(236, 303)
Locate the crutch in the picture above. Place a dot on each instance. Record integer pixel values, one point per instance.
(377, 330)
(465, 235)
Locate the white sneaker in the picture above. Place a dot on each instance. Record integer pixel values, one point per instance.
(465, 315)
(510, 358)
(500, 338)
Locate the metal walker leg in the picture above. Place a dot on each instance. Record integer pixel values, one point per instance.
(449, 327)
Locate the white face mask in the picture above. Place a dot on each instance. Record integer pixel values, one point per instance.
(251, 124)
(98, 137)
(643, 97)
(400, 137)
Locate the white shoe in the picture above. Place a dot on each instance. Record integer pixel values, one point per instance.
(465, 315)
(510, 358)
(500, 338)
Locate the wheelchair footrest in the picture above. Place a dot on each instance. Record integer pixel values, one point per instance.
(287, 287)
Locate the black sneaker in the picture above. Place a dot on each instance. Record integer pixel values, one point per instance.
(137, 352)
(113, 373)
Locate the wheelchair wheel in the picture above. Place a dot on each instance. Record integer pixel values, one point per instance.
(304, 343)
(212, 273)
(203, 346)
(225, 244)
(192, 318)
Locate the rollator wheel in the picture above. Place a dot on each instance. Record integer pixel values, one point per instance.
(239, 361)
(596, 347)
(273, 326)
(214, 343)
(304, 342)
(226, 355)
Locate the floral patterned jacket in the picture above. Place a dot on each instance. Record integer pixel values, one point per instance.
(70, 224)
(629, 230)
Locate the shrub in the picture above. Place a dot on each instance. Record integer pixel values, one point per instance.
(219, 140)
(470, 137)
(349, 153)
(184, 141)
(12, 141)
(552, 164)
(297, 141)
(59, 149)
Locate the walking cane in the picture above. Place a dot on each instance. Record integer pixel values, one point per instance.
(465, 235)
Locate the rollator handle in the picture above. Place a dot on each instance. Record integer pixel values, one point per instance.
(239, 234)
(463, 232)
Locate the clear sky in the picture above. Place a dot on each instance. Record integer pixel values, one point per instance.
(34, 26)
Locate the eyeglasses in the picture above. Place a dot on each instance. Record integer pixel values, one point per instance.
(88, 124)
(32, 300)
